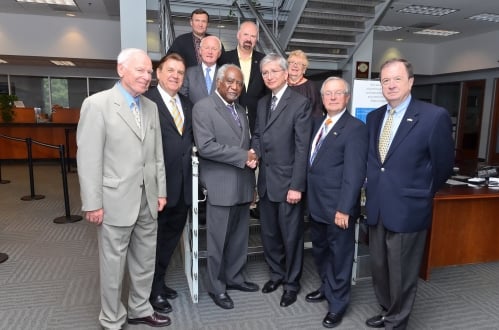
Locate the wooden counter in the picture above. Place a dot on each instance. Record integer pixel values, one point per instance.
(48, 133)
(465, 228)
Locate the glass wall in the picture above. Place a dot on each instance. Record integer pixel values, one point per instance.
(48, 93)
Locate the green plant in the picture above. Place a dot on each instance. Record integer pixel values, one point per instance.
(6, 107)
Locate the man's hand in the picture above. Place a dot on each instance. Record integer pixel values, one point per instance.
(294, 196)
(161, 203)
(341, 220)
(252, 161)
(95, 216)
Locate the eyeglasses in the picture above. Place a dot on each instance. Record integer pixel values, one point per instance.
(396, 81)
(335, 93)
(296, 63)
(230, 82)
(271, 73)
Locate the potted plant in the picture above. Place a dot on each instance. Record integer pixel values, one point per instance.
(6, 107)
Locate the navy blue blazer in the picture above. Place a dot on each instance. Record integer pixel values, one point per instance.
(420, 159)
(335, 177)
(177, 149)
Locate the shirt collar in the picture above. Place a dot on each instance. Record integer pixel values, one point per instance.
(128, 97)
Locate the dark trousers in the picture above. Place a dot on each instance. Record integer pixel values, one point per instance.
(282, 238)
(333, 250)
(395, 263)
(171, 222)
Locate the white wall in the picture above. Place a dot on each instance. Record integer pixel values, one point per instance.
(32, 35)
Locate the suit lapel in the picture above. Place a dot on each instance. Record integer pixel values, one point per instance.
(123, 110)
(281, 105)
(408, 122)
(332, 136)
(221, 108)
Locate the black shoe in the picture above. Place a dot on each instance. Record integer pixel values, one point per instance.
(223, 300)
(170, 293)
(245, 286)
(316, 296)
(271, 286)
(160, 304)
(288, 298)
(332, 320)
(377, 321)
(155, 320)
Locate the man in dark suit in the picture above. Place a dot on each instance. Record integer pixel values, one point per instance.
(336, 173)
(222, 137)
(281, 141)
(248, 59)
(177, 145)
(123, 186)
(410, 156)
(188, 44)
(199, 80)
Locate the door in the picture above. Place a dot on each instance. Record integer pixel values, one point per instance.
(470, 123)
(493, 156)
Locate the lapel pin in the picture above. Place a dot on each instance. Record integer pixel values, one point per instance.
(409, 119)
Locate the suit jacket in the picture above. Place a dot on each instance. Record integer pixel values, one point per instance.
(256, 87)
(420, 159)
(184, 45)
(223, 149)
(177, 149)
(194, 86)
(115, 160)
(339, 170)
(282, 143)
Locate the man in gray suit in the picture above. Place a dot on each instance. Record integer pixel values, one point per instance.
(123, 186)
(281, 141)
(221, 133)
(199, 80)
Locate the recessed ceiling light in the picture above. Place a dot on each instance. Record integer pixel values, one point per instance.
(440, 33)
(51, 2)
(427, 10)
(221, 26)
(399, 39)
(486, 17)
(70, 15)
(3, 61)
(62, 63)
(386, 28)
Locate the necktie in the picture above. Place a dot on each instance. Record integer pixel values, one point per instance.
(233, 112)
(384, 138)
(207, 78)
(136, 114)
(273, 103)
(320, 138)
(197, 44)
(177, 118)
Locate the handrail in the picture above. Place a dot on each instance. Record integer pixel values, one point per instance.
(165, 13)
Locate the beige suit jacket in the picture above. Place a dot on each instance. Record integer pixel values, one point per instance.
(115, 159)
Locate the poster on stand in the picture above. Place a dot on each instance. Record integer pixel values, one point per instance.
(366, 97)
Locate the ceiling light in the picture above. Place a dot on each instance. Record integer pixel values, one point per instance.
(399, 39)
(3, 61)
(70, 15)
(386, 28)
(62, 63)
(427, 10)
(440, 33)
(51, 2)
(486, 17)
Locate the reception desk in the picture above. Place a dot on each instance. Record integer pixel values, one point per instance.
(48, 133)
(465, 228)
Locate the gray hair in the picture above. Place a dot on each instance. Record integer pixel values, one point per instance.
(203, 41)
(223, 68)
(128, 53)
(347, 85)
(272, 57)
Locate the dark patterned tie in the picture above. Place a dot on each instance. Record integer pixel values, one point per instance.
(233, 112)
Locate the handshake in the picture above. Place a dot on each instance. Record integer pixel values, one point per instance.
(252, 161)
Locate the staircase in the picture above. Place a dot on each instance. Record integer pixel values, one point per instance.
(329, 31)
